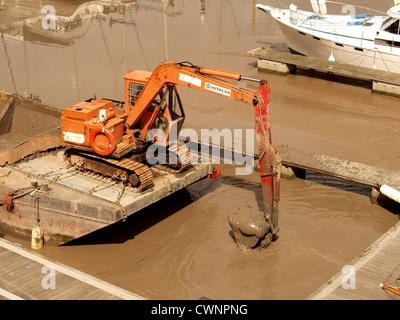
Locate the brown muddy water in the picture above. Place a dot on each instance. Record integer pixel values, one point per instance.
(180, 248)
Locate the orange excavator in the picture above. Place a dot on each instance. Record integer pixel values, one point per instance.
(111, 137)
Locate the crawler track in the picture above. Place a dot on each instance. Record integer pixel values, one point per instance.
(126, 170)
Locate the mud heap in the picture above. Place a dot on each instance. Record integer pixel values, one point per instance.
(250, 229)
(22, 119)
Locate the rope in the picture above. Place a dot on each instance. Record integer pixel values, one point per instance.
(8, 200)
(9, 197)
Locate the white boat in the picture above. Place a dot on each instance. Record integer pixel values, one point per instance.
(365, 40)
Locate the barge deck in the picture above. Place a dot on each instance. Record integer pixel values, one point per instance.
(71, 203)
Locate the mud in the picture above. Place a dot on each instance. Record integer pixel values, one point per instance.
(248, 226)
(181, 247)
(24, 120)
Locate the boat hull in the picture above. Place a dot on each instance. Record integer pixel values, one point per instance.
(308, 45)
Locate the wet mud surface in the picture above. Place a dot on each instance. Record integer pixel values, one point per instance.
(181, 247)
(21, 121)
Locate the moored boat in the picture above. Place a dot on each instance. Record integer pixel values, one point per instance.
(365, 40)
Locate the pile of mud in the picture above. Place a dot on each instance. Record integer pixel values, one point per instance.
(21, 119)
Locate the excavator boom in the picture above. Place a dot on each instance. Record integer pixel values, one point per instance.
(200, 78)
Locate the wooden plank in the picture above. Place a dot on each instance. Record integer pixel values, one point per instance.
(10, 287)
(63, 286)
(11, 266)
(28, 283)
(19, 267)
(370, 176)
(74, 292)
(379, 263)
(339, 168)
(21, 275)
(7, 295)
(96, 294)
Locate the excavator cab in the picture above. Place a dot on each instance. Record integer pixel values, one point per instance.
(162, 113)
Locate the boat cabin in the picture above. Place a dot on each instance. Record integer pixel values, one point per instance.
(389, 33)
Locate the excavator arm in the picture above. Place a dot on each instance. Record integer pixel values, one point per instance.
(208, 80)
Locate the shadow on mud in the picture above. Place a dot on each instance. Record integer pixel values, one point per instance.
(142, 220)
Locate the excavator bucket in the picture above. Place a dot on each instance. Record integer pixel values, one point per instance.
(249, 227)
